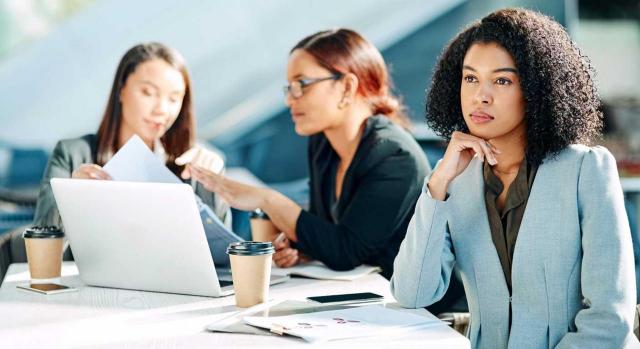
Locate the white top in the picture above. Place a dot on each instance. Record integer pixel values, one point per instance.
(115, 318)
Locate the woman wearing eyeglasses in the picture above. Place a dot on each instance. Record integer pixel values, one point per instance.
(365, 169)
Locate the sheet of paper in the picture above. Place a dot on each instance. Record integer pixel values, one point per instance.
(365, 321)
(317, 270)
(135, 162)
(235, 324)
(218, 235)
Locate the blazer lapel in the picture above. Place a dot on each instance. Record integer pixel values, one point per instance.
(358, 165)
(323, 159)
(540, 206)
(476, 230)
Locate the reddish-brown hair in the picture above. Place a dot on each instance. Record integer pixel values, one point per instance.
(345, 51)
(179, 137)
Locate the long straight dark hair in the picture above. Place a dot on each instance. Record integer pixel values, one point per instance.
(179, 137)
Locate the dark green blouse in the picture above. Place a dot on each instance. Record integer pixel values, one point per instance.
(505, 224)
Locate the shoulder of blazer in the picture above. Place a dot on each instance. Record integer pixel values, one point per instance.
(573, 156)
(382, 139)
(84, 147)
(573, 151)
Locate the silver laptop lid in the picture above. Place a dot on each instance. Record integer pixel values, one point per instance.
(142, 236)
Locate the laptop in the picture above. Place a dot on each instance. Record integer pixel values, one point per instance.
(140, 236)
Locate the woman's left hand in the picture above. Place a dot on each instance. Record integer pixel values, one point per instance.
(238, 195)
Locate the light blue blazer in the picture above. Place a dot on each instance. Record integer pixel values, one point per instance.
(572, 275)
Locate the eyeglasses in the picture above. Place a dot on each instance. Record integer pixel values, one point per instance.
(295, 88)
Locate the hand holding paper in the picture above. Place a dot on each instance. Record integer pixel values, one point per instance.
(200, 157)
(90, 171)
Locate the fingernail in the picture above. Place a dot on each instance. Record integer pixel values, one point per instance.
(492, 162)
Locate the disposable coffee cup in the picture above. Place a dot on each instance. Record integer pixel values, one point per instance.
(262, 229)
(44, 252)
(251, 271)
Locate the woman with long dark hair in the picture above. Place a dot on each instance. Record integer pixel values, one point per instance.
(150, 97)
(365, 168)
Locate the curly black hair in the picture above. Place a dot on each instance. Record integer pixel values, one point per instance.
(561, 102)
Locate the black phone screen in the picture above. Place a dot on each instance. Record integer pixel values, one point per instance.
(348, 297)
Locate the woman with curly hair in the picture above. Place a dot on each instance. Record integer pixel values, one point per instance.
(530, 214)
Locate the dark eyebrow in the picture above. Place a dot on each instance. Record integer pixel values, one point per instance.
(468, 67)
(509, 70)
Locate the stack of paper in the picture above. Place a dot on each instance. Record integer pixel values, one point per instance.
(367, 321)
(317, 270)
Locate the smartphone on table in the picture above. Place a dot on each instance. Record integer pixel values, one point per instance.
(348, 298)
(47, 288)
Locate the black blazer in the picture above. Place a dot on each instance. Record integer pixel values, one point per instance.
(379, 192)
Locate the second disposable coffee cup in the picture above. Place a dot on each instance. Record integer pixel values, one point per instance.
(44, 252)
(262, 229)
(251, 271)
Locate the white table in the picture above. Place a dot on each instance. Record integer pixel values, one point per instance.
(104, 317)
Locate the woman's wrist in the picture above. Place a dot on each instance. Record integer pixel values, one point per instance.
(265, 199)
(282, 211)
(438, 186)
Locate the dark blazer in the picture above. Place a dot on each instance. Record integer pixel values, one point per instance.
(379, 192)
(68, 155)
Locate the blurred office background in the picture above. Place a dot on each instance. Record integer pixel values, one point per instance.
(58, 57)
